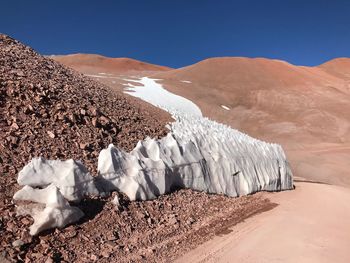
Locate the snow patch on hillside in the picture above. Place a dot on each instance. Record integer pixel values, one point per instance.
(154, 93)
(225, 107)
(102, 76)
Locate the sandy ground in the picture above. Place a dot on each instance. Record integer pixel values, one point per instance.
(310, 224)
(328, 163)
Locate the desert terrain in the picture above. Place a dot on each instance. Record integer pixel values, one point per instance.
(306, 110)
(55, 112)
(94, 64)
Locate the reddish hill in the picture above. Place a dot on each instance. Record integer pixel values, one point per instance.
(93, 64)
(306, 109)
(339, 67)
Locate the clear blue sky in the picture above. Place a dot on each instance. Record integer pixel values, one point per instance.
(179, 32)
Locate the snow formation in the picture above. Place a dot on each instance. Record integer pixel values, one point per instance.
(225, 107)
(56, 213)
(70, 177)
(197, 153)
(53, 183)
(154, 93)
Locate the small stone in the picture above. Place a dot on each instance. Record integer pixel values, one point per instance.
(94, 122)
(190, 221)
(51, 134)
(15, 126)
(83, 146)
(93, 257)
(172, 220)
(104, 120)
(116, 202)
(17, 243)
(110, 244)
(105, 253)
(19, 73)
(94, 111)
(26, 237)
(25, 221)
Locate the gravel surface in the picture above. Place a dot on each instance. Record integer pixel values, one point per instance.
(149, 231)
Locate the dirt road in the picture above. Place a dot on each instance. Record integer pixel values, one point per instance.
(310, 224)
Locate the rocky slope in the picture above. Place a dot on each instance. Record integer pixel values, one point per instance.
(53, 111)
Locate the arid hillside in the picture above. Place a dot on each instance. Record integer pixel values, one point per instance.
(306, 109)
(94, 64)
(303, 108)
(339, 67)
(267, 98)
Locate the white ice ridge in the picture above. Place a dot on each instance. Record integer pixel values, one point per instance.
(199, 154)
(154, 93)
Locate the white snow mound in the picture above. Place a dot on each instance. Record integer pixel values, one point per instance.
(71, 177)
(56, 213)
(154, 93)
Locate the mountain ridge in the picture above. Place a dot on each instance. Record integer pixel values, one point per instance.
(85, 62)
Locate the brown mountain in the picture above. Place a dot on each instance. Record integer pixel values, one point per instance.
(339, 67)
(94, 64)
(306, 109)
